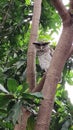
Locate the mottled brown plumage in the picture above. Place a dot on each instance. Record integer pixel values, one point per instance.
(44, 53)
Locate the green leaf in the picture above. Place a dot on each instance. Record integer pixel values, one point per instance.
(3, 111)
(27, 95)
(70, 81)
(25, 86)
(3, 89)
(4, 99)
(12, 85)
(27, 2)
(19, 88)
(37, 95)
(66, 125)
(19, 64)
(14, 113)
(32, 95)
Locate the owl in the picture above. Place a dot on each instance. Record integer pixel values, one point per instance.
(44, 53)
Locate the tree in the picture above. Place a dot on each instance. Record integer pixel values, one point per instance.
(16, 102)
(54, 72)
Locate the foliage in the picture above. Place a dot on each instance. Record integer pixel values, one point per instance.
(53, 21)
(12, 100)
(15, 25)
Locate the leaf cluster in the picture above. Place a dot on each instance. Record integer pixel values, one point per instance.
(13, 99)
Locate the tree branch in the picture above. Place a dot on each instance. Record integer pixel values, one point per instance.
(63, 12)
(71, 4)
(31, 75)
(22, 122)
(71, 8)
(70, 52)
(40, 85)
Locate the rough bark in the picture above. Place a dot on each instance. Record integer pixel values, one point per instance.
(22, 122)
(70, 52)
(57, 64)
(31, 76)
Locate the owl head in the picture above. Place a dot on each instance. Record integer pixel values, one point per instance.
(41, 46)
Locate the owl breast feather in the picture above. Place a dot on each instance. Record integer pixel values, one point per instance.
(44, 61)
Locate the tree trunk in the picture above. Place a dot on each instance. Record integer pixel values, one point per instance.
(57, 64)
(31, 69)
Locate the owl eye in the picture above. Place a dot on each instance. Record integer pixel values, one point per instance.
(41, 43)
(37, 46)
(45, 43)
(36, 43)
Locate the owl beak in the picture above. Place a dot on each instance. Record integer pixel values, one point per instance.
(41, 47)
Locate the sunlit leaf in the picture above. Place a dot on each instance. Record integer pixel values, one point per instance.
(3, 89)
(27, 2)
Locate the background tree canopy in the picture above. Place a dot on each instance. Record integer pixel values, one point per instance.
(15, 25)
